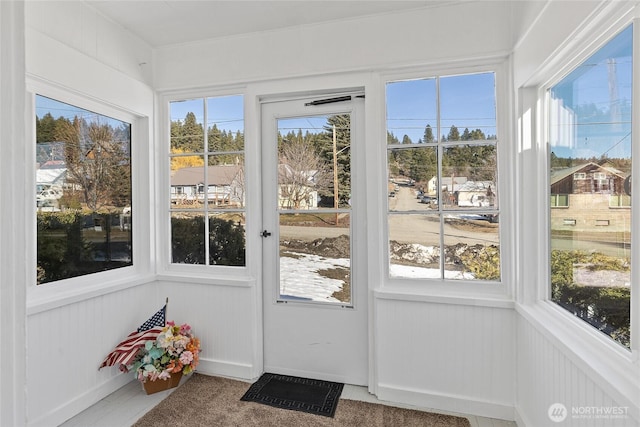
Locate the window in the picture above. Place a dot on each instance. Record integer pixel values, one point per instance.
(590, 131)
(83, 191)
(599, 176)
(559, 200)
(443, 178)
(207, 203)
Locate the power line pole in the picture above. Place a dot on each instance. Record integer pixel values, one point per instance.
(335, 173)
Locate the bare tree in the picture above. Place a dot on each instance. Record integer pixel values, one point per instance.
(301, 173)
(97, 164)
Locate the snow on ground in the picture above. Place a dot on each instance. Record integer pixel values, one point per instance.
(300, 280)
(299, 277)
(412, 272)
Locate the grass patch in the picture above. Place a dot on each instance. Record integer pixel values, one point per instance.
(342, 274)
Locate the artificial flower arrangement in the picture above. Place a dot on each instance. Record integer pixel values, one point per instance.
(175, 350)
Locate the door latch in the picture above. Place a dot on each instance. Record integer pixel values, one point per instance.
(265, 233)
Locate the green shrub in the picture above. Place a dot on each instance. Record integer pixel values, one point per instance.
(226, 241)
(64, 251)
(482, 261)
(606, 308)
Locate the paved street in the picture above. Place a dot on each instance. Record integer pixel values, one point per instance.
(426, 229)
(418, 228)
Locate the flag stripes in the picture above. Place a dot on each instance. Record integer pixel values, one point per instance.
(125, 352)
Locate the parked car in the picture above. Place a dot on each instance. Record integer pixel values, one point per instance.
(492, 218)
(427, 199)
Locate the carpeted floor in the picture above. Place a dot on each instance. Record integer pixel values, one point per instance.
(214, 401)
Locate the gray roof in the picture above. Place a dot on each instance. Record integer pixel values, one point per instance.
(560, 174)
(219, 175)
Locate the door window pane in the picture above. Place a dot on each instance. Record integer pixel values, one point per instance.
(314, 197)
(590, 167)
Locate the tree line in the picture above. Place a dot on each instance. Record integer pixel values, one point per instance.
(418, 161)
(622, 164)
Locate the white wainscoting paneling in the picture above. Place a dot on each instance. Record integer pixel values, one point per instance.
(448, 357)
(66, 345)
(546, 376)
(224, 318)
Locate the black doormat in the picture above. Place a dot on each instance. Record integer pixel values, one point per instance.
(298, 394)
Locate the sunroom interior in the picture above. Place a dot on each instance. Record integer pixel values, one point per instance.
(480, 331)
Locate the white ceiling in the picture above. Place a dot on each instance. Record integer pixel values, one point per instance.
(164, 22)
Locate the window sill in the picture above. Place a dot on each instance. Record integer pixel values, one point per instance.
(207, 275)
(440, 296)
(53, 295)
(616, 368)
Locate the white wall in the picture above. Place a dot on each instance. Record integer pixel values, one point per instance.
(80, 28)
(428, 36)
(73, 52)
(13, 122)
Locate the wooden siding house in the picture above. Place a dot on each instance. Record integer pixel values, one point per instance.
(589, 195)
(224, 185)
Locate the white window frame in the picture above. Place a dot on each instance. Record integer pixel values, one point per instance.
(590, 45)
(616, 368)
(473, 292)
(205, 274)
(58, 293)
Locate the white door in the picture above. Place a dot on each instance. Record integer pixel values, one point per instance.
(315, 308)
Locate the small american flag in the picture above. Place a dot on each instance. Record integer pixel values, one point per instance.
(125, 352)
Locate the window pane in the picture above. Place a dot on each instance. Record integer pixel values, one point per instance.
(468, 107)
(83, 191)
(226, 182)
(187, 130)
(469, 176)
(187, 238)
(412, 178)
(411, 112)
(414, 246)
(590, 166)
(227, 239)
(472, 248)
(187, 181)
(225, 123)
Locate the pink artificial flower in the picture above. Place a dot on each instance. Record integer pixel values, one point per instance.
(186, 357)
(171, 323)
